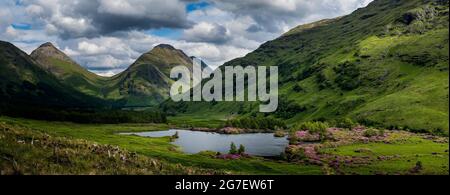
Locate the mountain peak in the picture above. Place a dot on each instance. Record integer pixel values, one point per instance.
(48, 44)
(49, 50)
(54, 60)
(165, 46)
(167, 52)
(164, 57)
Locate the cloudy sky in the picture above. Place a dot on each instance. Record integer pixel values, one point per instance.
(106, 36)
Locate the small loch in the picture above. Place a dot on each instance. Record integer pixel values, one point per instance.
(192, 142)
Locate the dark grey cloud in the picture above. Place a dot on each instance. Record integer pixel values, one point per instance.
(274, 16)
(254, 28)
(91, 18)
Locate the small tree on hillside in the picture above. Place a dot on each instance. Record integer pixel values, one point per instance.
(233, 149)
(241, 149)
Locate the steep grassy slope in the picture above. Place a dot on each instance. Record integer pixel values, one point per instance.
(147, 81)
(68, 71)
(23, 83)
(386, 64)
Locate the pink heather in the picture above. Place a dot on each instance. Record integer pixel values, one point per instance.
(302, 133)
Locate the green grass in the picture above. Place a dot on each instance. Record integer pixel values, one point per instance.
(409, 152)
(206, 120)
(433, 156)
(27, 152)
(160, 148)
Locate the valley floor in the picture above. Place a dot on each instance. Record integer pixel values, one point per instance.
(41, 147)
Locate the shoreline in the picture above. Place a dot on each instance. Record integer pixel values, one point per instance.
(224, 130)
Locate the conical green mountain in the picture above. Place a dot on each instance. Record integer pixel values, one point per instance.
(24, 82)
(68, 71)
(145, 83)
(385, 64)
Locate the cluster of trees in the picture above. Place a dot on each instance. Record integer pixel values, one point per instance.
(85, 116)
(348, 76)
(321, 125)
(235, 150)
(345, 123)
(312, 127)
(262, 123)
(172, 108)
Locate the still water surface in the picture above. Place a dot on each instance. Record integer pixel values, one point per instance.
(192, 142)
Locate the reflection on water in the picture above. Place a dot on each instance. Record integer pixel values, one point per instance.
(192, 142)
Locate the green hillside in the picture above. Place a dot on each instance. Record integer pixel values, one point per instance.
(68, 71)
(384, 65)
(145, 83)
(23, 83)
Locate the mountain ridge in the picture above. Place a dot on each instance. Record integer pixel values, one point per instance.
(384, 65)
(146, 82)
(24, 82)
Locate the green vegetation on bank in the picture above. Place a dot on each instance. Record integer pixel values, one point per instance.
(30, 152)
(159, 148)
(398, 157)
(432, 156)
(262, 123)
(384, 66)
(85, 116)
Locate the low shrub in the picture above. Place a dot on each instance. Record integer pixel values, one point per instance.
(312, 127)
(279, 133)
(293, 153)
(371, 133)
(345, 123)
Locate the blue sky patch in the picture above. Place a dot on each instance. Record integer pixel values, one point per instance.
(169, 33)
(21, 26)
(196, 6)
(18, 2)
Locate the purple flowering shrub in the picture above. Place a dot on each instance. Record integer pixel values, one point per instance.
(229, 156)
(306, 153)
(234, 153)
(310, 132)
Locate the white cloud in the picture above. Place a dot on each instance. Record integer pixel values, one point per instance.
(107, 36)
(90, 49)
(207, 32)
(107, 73)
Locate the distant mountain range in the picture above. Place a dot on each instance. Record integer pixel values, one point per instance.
(25, 82)
(386, 64)
(145, 83)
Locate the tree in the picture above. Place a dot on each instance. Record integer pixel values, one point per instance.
(233, 149)
(297, 88)
(241, 149)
